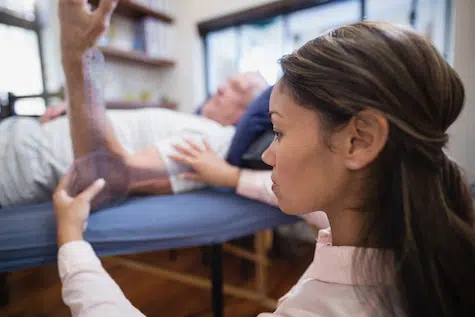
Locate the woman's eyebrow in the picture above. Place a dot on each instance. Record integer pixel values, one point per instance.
(274, 112)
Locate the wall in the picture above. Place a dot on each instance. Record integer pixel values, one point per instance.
(462, 133)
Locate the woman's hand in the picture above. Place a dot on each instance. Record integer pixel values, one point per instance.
(80, 27)
(72, 212)
(209, 167)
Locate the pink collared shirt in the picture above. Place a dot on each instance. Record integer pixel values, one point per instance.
(325, 289)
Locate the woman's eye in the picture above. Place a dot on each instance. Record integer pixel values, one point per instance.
(277, 135)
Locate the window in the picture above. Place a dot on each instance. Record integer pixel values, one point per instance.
(308, 24)
(257, 45)
(20, 58)
(433, 21)
(222, 48)
(395, 11)
(260, 46)
(429, 17)
(22, 8)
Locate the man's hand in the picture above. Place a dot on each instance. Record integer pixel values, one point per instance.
(209, 167)
(72, 212)
(80, 27)
(52, 112)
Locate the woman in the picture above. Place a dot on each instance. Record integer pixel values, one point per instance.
(360, 116)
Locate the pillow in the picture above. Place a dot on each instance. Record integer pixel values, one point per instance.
(252, 158)
(199, 110)
(253, 123)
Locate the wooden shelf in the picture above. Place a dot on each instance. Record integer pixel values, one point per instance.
(135, 57)
(120, 104)
(134, 10)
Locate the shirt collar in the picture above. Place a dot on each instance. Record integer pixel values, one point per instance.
(333, 264)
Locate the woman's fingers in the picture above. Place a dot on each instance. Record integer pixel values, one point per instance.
(193, 145)
(89, 193)
(61, 197)
(191, 177)
(190, 152)
(63, 183)
(185, 160)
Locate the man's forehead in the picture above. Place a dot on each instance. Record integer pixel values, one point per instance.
(240, 80)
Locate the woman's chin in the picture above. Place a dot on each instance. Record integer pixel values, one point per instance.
(291, 208)
(287, 208)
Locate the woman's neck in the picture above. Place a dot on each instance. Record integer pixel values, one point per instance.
(346, 227)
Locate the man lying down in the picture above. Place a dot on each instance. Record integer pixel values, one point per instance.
(130, 149)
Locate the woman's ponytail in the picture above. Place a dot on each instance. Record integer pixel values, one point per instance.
(435, 262)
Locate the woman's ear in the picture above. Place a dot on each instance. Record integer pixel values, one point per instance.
(365, 137)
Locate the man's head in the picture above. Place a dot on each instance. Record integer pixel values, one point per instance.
(231, 99)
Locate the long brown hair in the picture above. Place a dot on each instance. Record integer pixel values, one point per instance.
(417, 204)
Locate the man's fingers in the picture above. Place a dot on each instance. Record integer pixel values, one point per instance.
(89, 193)
(68, 7)
(89, 7)
(193, 145)
(105, 9)
(101, 18)
(59, 109)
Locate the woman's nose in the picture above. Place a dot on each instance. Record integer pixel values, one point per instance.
(269, 155)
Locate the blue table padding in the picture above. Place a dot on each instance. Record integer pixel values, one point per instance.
(140, 224)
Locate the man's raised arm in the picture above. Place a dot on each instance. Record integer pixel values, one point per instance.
(97, 151)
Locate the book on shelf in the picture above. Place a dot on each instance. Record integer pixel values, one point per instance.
(153, 37)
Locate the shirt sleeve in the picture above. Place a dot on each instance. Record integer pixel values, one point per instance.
(88, 289)
(256, 185)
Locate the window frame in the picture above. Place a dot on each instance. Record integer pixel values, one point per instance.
(7, 17)
(285, 8)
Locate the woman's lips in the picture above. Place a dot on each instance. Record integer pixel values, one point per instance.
(274, 185)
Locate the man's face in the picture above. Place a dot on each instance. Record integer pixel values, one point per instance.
(230, 101)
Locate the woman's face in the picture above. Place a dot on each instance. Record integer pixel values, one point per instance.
(307, 174)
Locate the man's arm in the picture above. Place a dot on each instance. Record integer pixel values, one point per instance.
(149, 173)
(83, 67)
(97, 151)
(89, 127)
(92, 132)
